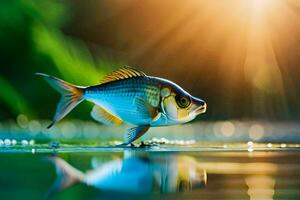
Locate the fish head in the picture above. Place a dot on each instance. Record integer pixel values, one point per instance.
(178, 105)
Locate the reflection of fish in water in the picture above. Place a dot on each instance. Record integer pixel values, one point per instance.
(173, 174)
(128, 95)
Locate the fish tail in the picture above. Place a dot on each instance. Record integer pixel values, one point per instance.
(67, 176)
(71, 96)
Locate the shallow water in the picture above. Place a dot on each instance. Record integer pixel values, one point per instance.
(252, 160)
(164, 171)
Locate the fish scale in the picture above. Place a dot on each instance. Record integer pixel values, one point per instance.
(131, 87)
(110, 95)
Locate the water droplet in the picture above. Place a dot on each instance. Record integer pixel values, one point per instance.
(24, 142)
(250, 149)
(154, 139)
(250, 143)
(163, 140)
(7, 142)
(1, 142)
(33, 151)
(14, 142)
(283, 145)
(269, 145)
(31, 142)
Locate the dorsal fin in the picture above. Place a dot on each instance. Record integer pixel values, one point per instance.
(122, 73)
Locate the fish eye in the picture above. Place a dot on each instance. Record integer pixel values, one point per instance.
(182, 101)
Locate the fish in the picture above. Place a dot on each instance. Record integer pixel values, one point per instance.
(157, 174)
(128, 95)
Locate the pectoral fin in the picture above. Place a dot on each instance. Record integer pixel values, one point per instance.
(134, 133)
(145, 109)
(104, 116)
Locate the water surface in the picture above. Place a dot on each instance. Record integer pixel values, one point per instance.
(222, 160)
(198, 171)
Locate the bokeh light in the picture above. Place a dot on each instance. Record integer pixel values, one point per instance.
(256, 131)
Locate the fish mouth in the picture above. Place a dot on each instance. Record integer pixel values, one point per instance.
(201, 109)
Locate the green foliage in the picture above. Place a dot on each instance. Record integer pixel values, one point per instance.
(71, 58)
(8, 92)
(32, 41)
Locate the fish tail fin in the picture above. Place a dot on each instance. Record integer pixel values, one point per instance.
(71, 96)
(67, 176)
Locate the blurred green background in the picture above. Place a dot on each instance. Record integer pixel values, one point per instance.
(245, 65)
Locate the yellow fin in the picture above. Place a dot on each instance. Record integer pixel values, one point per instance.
(122, 73)
(104, 116)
